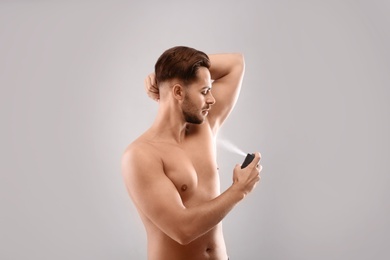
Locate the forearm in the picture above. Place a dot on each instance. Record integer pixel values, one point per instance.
(224, 64)
(200, 219)
(227, 72)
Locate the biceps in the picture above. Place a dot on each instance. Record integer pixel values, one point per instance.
(157, 198)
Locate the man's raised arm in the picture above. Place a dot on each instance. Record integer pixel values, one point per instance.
(227, 72)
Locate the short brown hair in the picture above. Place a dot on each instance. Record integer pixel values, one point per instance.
(180, 62)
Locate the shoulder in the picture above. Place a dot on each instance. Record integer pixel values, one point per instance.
(136, 149)
(138, 155)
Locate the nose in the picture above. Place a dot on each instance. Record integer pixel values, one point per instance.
(210, 99)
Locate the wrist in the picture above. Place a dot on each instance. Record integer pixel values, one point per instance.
(237, 191)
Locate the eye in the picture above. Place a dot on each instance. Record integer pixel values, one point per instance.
(204, 92)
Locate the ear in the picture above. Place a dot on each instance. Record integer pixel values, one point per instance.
(178, 92)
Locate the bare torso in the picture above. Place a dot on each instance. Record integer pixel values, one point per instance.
(171, 170)
(192, 168)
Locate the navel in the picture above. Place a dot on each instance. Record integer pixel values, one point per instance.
(184, 187)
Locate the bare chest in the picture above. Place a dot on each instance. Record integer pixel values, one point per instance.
(193, 169)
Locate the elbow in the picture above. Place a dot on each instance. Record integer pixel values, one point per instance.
(184, 235)
(183, 241)
(239, 61)
(184, 227)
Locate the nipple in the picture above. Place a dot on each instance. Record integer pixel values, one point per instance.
(184, 187)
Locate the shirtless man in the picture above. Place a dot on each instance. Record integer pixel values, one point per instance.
(171, 170)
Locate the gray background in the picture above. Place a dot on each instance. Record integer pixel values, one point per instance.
(315, 103)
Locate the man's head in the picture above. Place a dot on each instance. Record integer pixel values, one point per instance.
(180, 63)
(183, 76)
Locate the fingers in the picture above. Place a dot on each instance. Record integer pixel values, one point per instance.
(256, 161)
(259, 167)
(257, 157)
(150, 83)
(247, 178)
(152, 78)
(151, 87)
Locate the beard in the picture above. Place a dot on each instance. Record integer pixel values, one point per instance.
(192, 119)
(191, 113)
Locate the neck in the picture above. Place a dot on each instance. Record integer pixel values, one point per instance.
(169, 125)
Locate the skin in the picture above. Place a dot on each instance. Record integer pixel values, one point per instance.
(171, 170)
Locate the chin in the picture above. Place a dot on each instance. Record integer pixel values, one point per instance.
(196, 121)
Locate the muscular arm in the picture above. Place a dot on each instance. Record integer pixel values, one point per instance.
(158, 199)
(227, 71)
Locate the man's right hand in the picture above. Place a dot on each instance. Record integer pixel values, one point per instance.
(245, 180)
(151, 87)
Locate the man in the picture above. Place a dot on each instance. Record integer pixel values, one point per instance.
(171, 170)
